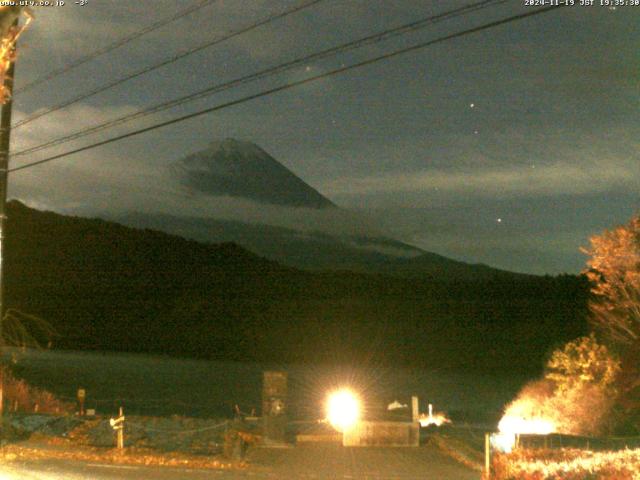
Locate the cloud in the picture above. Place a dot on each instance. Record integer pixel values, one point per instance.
(400, 133)
(94, 198)
(63, 122)
(90, 177)
(128, 177)
(53, 27)
(540, 254)
(523, 180)
(332, 221)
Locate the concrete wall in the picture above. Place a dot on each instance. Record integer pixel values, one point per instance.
(391, 434)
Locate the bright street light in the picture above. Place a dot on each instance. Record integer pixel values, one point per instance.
(343, 410)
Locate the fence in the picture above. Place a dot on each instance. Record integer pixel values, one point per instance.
(557, 441)
(156, 406)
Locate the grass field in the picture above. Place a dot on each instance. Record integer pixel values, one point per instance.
(155, 385)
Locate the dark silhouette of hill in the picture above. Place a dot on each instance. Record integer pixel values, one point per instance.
(109, 287)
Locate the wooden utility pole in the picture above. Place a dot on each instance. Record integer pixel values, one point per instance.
(5, 141)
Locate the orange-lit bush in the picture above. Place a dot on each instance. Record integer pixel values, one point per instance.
(568, 464)
(20, 396)
(575, 397)
(584, 373)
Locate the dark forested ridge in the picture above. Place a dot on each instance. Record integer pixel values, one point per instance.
(105, 286)
(314, 250)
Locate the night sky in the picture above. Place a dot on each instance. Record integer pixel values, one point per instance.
(508, 147)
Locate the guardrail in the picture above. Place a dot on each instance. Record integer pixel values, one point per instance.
(557, 441)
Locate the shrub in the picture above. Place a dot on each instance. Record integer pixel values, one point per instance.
(577, 394)
(19, 395)
(568, 464)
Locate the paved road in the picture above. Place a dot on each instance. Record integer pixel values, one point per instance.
(324, 462)
(306, 462)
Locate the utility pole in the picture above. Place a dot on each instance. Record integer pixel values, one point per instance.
(5, 140)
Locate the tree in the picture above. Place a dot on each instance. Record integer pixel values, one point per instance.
(577, 394)
(581, 362)
(584, 373)
(614, 273)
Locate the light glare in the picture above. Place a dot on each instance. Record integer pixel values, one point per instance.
(515, 424)
(343, 410)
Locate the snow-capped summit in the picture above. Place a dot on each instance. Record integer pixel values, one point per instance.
(242, 169)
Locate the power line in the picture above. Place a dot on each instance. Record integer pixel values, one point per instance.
(216, 40)
(368, 40)
(117, 44)
(290, 85)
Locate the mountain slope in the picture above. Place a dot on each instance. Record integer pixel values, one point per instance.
(242, 169)
(317, 250)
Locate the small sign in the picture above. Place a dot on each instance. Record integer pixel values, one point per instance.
(117, 423)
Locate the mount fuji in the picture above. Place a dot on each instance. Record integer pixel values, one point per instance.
(240, 171)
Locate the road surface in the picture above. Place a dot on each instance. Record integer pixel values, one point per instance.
(305, 462)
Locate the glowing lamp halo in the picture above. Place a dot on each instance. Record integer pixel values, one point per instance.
(512, 425)
(343, 409)
(520, 425)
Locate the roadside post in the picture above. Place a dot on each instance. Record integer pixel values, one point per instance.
(82, 395)
(274, 407)
(487, 455)
(118, 425)
(415, 410)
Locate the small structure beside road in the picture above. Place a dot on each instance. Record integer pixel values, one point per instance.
(380, 433)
